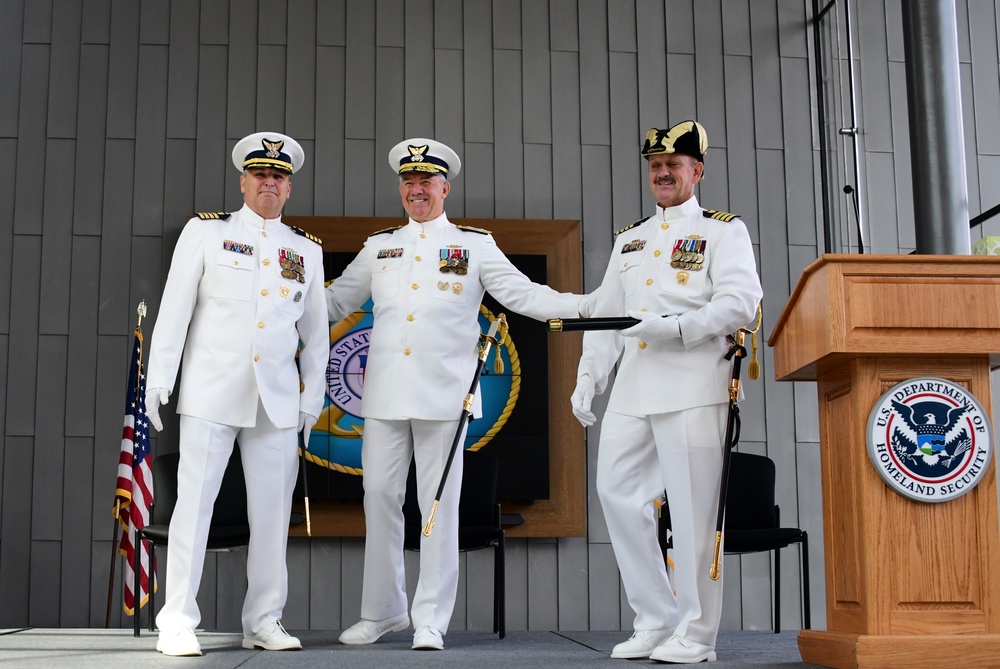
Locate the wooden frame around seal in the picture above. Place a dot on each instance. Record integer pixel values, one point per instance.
(564, 514)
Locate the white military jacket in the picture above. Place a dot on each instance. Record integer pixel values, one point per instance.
(240, 294)
(710, 299)
(423, 350)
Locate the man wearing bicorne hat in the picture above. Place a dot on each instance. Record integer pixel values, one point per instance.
(242, 291)
(688, 274)
(426, 279)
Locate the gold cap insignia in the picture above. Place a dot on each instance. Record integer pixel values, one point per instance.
(417, 153)
(272, 149)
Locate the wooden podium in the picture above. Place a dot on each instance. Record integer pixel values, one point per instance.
(908, 584)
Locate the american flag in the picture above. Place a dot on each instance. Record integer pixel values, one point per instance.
(134, 493)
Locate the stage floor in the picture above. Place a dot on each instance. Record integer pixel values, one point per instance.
(103, 649)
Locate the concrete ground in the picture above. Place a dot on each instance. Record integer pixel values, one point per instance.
(106, 649)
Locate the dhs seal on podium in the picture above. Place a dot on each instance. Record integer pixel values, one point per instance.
(929, 439)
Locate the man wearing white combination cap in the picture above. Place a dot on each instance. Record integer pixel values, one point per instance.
(426, 279)
(243, 290)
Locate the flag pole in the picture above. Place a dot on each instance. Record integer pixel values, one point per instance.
(141, 311)
(111, 574)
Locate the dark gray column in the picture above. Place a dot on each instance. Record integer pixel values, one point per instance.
(937, 150)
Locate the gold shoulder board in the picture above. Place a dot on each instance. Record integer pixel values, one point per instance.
(629, 227)
(723, 216)
(307, 235)
(213, 215)
(469, 228)
(385, 230)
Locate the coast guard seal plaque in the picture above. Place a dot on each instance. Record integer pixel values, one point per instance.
(929, 439)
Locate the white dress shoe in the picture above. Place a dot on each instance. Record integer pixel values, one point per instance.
(640, 644)
(370, 631)
(679, 650)
(272, 637)
(427, 638)
(178, 643)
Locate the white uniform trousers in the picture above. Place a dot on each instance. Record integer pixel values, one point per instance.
(637, 459)
(385, 456)
(270, 465)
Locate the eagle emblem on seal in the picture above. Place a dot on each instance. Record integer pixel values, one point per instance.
(930, 437)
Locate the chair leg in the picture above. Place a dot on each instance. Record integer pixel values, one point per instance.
(136, 551)
(152, 590)
(501, 587)
(804, 548)
(496, 587)
(777, 590)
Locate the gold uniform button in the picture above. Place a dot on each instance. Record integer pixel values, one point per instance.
(264, 232)
(649, 282)
(410, 318)
(656, 254)
(414, 286)
(664, 225)
(625, 265)
(406, 352)
(256, 358)
(261, 325)
(264, 292)
(417, 258)
(423, 236)
(266, 262)
(642, 344)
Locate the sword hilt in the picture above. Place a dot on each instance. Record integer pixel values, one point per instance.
(495, 327)
(429, 525)
(737, 353)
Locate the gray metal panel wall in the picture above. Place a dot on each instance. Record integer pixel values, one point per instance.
(82, 364)
(122, 117)
(151, 134)
(88, 203)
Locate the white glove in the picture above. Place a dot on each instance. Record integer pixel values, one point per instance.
(587, 304)
(306, 423)
(653, 327)
(155, 397)
(581, 398)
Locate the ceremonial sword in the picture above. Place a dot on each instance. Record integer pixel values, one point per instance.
(488, 340)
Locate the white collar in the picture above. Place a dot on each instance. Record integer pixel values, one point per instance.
(431, 227)
(689, 207)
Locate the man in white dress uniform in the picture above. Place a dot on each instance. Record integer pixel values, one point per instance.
(243, 290)
(426, 279)
(689, 275)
